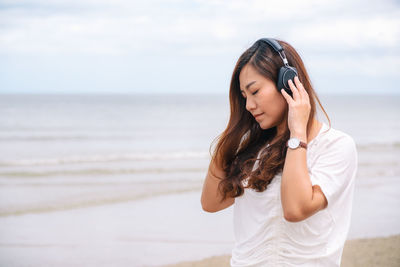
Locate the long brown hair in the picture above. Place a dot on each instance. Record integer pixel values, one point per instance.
(240, 142)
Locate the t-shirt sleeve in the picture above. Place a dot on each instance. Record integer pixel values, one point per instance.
(335, 167)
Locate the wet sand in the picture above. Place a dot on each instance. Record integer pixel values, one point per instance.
(131, 233)
(368, 252)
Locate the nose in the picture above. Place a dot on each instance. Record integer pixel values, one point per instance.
(250, 104)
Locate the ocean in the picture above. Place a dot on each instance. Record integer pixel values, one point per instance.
(67, 157)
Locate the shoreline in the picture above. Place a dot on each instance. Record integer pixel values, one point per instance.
(126, 233)
(366, 252)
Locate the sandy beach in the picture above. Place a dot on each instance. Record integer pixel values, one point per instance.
(107, 189)
(367, 252)
(132, 234)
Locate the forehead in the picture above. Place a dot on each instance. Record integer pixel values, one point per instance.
(249, 74)
(248, 71)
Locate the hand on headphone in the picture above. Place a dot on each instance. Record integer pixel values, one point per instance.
(299, 107)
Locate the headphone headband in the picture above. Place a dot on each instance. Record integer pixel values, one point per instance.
(286, 72)
(272, 42)
(277, 47)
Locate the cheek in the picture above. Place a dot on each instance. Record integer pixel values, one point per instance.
(273, 103)
(282, 102)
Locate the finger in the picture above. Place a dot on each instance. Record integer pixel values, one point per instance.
(299, 85)
(296, 95)
(288, 98)
(301, 88)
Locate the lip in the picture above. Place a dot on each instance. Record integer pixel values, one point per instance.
(258, 115)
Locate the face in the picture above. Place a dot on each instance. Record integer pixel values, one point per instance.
(262, 97)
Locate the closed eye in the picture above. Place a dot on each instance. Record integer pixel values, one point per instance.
(252, 94)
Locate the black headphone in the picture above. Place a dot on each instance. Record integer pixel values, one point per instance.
(286, 72)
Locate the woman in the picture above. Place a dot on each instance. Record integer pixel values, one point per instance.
(292, 205)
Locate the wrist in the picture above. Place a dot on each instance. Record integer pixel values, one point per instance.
(302, 136)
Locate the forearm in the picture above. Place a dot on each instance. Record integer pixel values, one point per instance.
(209, 194)
(296, 187)
(211, 197)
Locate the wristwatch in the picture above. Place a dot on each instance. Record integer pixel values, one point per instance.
(294, 143)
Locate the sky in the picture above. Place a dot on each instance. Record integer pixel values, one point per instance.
(185, 46)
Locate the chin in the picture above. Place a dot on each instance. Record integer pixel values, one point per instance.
(264, 126)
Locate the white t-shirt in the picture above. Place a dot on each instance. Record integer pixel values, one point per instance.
(263, 237)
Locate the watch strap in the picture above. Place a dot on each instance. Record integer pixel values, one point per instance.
(302, 144)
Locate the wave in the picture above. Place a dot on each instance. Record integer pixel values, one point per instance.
(81, 135)
(117, 197)
(137, 136)
(105, 158)
(377, 145)
(64, 138)
(92, 172)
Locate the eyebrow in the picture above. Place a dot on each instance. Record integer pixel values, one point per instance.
(247, 86)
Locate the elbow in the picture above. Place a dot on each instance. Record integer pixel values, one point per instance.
(207, 207)
(293, 216)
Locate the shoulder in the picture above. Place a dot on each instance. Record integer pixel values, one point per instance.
(336, 142)
(331, 137)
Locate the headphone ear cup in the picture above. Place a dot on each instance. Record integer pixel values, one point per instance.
(285, 74)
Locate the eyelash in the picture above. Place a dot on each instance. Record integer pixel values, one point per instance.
(252, 94)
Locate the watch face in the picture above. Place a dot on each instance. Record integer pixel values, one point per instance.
(294, 142)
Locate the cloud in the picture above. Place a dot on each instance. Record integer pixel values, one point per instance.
(340, 36)
(371, 66)
(127, 26)
(380, 31)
